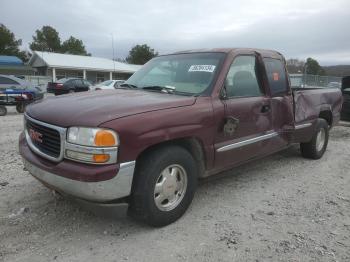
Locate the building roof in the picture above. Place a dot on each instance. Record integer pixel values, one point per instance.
(10, 60)
(66, 61)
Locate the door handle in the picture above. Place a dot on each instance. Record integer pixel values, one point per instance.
(265, 108)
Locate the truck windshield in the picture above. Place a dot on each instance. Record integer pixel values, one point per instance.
(184, 74)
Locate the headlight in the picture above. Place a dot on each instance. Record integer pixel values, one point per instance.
(92, 137)
(92, 145)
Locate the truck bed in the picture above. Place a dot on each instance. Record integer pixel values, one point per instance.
(309, 102)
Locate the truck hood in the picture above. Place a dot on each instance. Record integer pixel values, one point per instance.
(96, 107)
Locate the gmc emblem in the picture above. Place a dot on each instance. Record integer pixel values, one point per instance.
(35, 136)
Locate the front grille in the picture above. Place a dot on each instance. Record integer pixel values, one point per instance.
(48, 140)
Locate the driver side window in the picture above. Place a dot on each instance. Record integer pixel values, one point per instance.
(241, 80)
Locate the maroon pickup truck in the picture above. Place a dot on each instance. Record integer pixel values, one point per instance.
(181, 117)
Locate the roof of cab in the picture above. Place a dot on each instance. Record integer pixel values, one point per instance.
(263, 52)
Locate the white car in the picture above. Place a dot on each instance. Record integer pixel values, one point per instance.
(107, 85)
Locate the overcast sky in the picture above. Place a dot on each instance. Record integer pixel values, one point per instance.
(297, 28)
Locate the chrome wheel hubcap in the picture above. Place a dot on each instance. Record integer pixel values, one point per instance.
(320, 139)
(170, 187)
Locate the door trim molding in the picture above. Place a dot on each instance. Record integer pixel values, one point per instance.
(303, 126)
(256, 139)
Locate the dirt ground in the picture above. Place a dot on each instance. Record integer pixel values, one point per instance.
(282, 208)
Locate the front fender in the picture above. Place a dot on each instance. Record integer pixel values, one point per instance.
(141, 131)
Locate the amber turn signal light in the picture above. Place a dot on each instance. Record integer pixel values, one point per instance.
(105, 138)
(100, 158)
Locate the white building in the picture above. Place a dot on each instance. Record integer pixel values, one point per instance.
(95, 69)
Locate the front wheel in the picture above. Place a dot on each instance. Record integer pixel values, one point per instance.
(164, 186)
(3, 110)
(318, 144)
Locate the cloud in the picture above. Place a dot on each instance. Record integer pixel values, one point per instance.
(297, 28)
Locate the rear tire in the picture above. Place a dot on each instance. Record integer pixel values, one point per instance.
(3, 111)
(20, 108)
(318, 144)
(164, 185)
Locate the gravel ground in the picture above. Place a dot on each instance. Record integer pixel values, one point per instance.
(284, 208)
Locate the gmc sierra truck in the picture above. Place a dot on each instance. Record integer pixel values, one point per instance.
(180, 118)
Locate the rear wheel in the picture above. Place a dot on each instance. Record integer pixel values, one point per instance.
(318, 144)
(21, 108)
(164, 185)
(3, 111)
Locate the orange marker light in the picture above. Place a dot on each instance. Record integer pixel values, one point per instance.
(101, 158)
(105, 138)
(276, 76)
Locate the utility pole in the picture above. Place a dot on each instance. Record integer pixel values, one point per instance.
(113, 54)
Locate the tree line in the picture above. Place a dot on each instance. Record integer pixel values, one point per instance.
(48, 39)
(310, 66)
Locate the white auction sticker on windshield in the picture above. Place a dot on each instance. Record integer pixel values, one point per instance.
(202, 68)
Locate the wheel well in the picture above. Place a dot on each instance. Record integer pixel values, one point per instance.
(327, 115)
(192, 145)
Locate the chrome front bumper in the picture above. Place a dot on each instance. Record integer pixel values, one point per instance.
(103, 191)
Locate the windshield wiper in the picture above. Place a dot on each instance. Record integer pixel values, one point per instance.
(128, 85)
(165, 89)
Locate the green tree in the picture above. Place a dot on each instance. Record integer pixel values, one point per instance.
(46, 39)
(140, 54)
(9, 45)
(73, 46)
(313, 67)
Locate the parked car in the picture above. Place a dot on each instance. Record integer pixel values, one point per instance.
(68, 85)
(17, 92)
(181, 117)
(108, 85)
(334, 85)
(15, 83)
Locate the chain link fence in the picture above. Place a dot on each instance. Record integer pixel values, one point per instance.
(40, 81)
(305, 81)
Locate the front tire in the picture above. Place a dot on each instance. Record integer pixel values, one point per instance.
(318, 144)
(3, 111)
(164, 185)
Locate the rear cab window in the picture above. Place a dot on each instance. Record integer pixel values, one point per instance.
(276, 76)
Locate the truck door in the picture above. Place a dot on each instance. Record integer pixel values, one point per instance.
(246, 128)
(281, 98)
